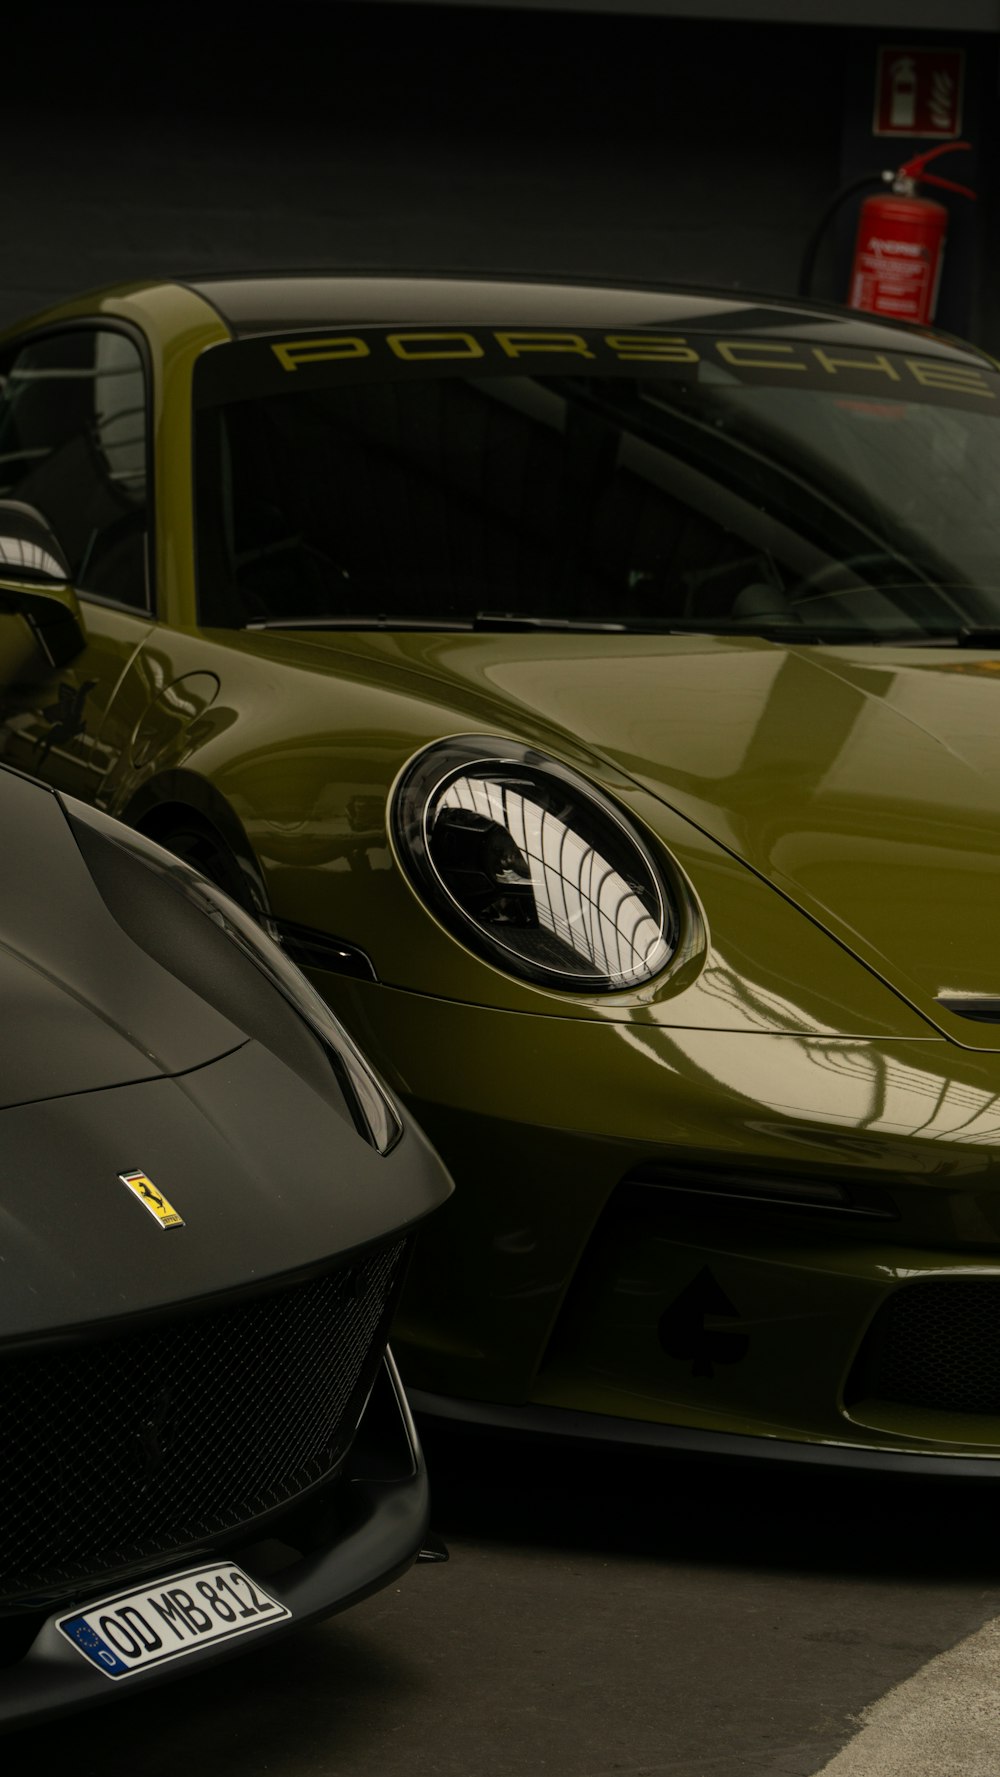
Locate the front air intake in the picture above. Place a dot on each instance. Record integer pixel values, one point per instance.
(934, 1345)
(120, 1450)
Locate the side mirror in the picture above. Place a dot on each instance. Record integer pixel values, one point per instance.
(29, 549)
(34, 582)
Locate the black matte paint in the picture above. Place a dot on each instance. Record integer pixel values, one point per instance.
(136, 1036)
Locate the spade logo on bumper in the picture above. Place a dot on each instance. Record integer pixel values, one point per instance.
(688, 1329)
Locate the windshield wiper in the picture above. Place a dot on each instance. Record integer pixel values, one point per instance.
(784, 634)
(804, 635)
(361, 620)
(520, 620)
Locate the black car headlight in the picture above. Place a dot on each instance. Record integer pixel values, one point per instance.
(532, 866)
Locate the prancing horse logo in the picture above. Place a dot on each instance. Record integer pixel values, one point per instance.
(143, 1187)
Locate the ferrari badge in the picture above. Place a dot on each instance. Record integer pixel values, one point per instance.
(152, 1199)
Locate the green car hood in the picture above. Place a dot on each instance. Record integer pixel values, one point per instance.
(863, 783)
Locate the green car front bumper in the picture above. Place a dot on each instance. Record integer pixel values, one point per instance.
(777, 1237)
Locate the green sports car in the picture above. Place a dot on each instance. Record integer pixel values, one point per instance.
(597, 690)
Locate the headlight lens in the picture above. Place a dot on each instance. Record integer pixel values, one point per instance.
(533, 867)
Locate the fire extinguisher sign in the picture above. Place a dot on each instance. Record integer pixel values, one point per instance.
(918, 92)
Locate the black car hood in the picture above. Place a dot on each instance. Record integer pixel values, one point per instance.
(84, 1006)
(56, 1040)
(269, 1179)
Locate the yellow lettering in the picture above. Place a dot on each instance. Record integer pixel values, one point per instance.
(318, 351)
(834, 365)
(462, 345)
(745, 354)
(653, 348)
(956, 377)
(516, 344)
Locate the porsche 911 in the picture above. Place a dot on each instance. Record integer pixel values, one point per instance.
(595, 689)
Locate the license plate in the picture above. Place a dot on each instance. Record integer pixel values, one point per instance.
(173, 1617)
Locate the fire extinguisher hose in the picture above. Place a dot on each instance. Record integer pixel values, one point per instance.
(840, 197)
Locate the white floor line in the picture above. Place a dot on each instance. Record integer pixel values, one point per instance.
(942, 1722)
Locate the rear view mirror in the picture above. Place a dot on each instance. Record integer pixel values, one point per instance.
(34, 582)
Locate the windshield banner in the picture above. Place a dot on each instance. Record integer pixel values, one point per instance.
(260, 367)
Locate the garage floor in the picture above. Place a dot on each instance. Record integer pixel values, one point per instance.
(634, 1617)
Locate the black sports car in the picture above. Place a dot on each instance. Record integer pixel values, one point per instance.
(206, 1204)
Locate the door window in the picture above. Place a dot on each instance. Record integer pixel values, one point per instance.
(73, 443)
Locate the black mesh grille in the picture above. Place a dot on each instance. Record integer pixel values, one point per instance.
(117, 1451)
(935, 1345)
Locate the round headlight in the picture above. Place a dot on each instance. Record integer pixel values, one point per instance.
(533, 867)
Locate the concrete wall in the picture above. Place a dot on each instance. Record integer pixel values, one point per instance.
(418, 136)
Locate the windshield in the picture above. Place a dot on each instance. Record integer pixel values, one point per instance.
(625, 481)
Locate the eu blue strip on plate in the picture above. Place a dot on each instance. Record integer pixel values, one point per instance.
(93, 1645)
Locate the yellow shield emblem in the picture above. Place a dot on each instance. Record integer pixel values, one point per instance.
(142, 1187)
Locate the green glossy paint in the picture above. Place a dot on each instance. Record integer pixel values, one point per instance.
(834, 812)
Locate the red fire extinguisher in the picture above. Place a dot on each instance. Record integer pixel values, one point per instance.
(899, 249)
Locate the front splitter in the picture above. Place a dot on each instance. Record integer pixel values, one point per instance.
(556, 1424)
